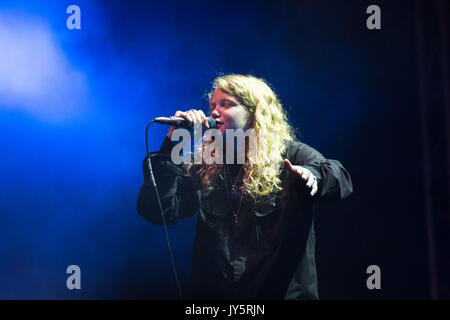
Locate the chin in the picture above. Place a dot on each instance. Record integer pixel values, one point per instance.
(222, 130)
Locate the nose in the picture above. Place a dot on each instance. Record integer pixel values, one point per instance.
(215, 114)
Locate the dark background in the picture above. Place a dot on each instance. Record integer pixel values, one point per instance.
(74, 105)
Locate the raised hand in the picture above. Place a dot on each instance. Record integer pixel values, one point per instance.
(306, 175)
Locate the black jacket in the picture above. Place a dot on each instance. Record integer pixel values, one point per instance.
(270, 252)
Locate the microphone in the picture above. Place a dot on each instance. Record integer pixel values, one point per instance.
(181, 122)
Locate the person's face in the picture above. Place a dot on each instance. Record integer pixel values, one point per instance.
(227, 109)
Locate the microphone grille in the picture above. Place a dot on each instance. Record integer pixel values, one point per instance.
(211, 122)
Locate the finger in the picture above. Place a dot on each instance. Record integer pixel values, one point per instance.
(205, 123)
(180, 114)
(304, 174)
(288, 165)
(204, 119)
(202, 115)
(314, 188)
(187, 116)
(195, 117)
(311, 180)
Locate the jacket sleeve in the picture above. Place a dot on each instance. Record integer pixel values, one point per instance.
(333, 180)
(176, 189)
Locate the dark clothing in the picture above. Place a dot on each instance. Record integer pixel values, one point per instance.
(270, 252)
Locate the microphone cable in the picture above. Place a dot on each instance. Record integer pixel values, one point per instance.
(152, 179)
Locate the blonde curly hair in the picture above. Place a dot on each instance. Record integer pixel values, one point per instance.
(269, 120)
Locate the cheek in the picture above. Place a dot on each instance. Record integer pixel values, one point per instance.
(238, 119)
(234, 123)
(230, 119)
(243, 120)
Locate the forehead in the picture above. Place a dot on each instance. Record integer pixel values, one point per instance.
(218, 95)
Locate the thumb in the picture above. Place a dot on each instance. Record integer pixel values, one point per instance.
(288, 165)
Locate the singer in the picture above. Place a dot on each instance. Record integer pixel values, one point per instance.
(255, 221)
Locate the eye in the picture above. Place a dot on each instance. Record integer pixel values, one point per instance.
(228, 103)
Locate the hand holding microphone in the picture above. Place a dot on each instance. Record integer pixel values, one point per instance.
(192, 119)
